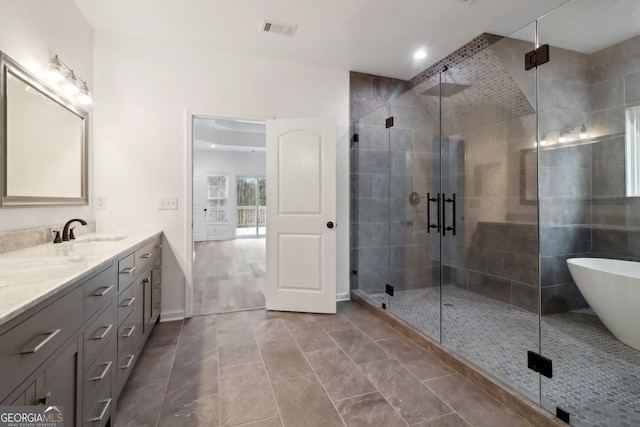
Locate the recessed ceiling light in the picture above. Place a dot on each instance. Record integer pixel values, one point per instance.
(420, 54)
(213, 145)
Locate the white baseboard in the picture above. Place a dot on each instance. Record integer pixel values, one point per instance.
(170, 316)
(346, 296)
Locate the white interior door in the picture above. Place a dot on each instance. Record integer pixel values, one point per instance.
(301, 214)
(199, 206)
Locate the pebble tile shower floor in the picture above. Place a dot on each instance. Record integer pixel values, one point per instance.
(595, 377)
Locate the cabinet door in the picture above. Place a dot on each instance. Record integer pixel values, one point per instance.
(147, 301)
(61, 384)
(156, 289)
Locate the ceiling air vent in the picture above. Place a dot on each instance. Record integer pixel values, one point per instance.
(277, 28)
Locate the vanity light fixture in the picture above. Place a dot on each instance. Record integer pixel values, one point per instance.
(583, 132)
(66, 81)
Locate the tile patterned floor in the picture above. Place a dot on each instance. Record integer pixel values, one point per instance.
(595, 377)
(259, 368)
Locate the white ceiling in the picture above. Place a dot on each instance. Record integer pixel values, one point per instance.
(371, 36)
(228, 135)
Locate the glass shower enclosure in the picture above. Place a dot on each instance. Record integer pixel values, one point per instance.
(472, 190)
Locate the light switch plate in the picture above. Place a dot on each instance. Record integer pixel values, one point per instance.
(168, 203)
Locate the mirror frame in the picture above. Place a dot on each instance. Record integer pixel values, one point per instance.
(8, 65)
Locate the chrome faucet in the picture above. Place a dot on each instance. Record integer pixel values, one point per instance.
(66, 236)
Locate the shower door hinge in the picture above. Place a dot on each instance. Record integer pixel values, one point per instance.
(388, 289)
(389, 122)
(540, 364)
(356, 138)
(562, 414)
(536, 57)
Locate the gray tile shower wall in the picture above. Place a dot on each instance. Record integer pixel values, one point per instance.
(370, 179)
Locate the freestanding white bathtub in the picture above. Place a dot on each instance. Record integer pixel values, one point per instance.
(612, 289)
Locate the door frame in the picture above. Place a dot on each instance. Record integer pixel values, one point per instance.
(190, 114)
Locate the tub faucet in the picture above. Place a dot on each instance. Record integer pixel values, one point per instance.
(65, 230)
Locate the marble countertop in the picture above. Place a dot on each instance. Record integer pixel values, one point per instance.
(31, 275)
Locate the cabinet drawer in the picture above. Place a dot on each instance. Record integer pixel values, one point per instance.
(97, 410)
(100, 371)
(125, 354)
(99, 290)
(99, 332)
(126, 271)
(145, 255)
(126, 303)
(27, 345)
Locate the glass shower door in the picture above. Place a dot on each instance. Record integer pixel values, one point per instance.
(414, 150)
(370, 165)
(489, 230)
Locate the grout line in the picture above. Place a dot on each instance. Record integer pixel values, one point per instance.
(164, 396)
(264, 365)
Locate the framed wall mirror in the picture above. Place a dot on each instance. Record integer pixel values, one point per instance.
(43, 142)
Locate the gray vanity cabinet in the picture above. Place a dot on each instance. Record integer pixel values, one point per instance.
(136, 315)
(77, 348)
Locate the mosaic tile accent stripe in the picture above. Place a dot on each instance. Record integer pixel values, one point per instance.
(476, 45)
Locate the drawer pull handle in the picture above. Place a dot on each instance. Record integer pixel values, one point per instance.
(44, 342)
(107, 403)
(128, 334)
(104, 292)
(145, 256)
(45, 400)
(104, 373)
(159, 246)
(128, 304)
(128, 365)
(128, 270)
(104, 334)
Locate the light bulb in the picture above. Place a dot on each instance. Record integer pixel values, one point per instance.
(71, 86)
(583, 132)
(54, 72)
(84, 96)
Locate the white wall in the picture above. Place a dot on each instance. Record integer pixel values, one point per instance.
(31, 32)
(143, 90)
(234, 163)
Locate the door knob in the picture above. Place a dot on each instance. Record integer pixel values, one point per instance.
(330, 224)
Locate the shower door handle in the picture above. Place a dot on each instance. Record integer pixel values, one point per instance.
(446, 228)
(429, 200)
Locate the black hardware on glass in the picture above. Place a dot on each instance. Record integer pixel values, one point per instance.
(562, 414)
(388, 289)
(330, 224)
(452, 200)
(536, 57)
(540, 364)
(388, 123)
(429, 200)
